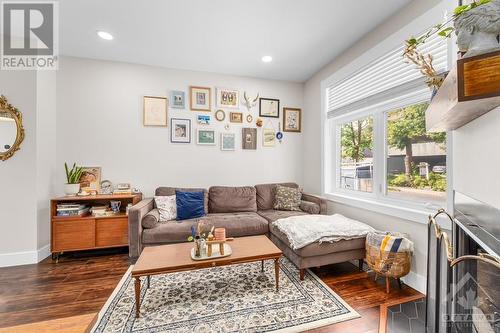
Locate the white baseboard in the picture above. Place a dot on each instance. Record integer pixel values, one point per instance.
(25, 257)
(43, 252)
(416, 281)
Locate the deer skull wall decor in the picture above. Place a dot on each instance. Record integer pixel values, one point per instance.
(249, 103)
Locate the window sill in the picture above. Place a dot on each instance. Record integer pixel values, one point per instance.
(387, 208)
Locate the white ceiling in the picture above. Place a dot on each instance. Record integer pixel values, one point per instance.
(223, 36)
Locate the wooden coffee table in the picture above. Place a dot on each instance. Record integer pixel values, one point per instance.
(177, 258)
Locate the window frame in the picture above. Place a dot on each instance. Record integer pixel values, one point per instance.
(379, 196)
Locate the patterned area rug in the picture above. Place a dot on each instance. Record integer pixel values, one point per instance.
(236, 298)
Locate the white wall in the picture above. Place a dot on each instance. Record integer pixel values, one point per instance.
(99, 123)
(18, 236)
(45, 156)
(476, 158)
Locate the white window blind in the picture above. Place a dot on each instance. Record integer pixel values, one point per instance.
(383, 74)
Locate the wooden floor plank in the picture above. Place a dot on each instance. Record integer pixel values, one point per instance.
(50, 293)
(76, 324)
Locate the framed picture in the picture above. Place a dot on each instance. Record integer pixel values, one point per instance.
(249, 138)
(236, 117)
(227, 98)
(155, 111)
(292, 120)
(200, 98)
(178, 99)
(269, 107)
(91, 178)
(205, 137)
(203, 119)
(227, 141)
(180, 130)
(220, 115)
(268, 137)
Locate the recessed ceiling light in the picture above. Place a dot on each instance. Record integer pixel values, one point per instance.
(105, 35)
(267, 59)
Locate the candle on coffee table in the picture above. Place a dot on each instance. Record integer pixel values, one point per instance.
(220, 233)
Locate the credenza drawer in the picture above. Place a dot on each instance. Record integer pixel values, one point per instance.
(73, 234)
(111, 231)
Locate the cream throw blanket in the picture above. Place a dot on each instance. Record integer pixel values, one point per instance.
(303, 230)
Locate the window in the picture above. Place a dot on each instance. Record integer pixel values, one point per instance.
(376, 145)
(416, 159)
(356, 166)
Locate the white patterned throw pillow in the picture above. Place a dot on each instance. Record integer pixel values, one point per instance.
(167, 207)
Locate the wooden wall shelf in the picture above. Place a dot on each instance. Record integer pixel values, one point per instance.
(75, 233)
(471, 89)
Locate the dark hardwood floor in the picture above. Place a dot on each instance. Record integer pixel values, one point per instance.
(80, 284)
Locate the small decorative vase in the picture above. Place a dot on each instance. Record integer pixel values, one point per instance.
(71, 189)
(203, 248)
(197, 247)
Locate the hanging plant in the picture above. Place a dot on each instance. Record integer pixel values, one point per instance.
(413, 55)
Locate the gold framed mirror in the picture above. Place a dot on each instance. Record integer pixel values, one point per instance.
(11, 129)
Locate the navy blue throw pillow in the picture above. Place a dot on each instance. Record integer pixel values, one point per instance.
(189, 205)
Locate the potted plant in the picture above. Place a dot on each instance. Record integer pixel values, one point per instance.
(476, 25)
(72, 185)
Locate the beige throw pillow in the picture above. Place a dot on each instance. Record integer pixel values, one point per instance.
(287, 198)
(167, 207)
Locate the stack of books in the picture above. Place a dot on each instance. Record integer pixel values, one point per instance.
(123, 189)
(99, 210)
(72, 209)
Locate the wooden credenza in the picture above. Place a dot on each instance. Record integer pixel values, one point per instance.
(89, 232)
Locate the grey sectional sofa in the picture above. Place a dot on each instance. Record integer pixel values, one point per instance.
(243, 211)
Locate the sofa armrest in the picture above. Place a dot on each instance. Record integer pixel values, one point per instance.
(135, 215)
(317, 200)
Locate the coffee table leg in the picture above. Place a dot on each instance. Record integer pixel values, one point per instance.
(149, 281)
(277, 272)
(262, 268)
(137, 296)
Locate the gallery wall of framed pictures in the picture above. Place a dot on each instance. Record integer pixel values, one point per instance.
(260, 121)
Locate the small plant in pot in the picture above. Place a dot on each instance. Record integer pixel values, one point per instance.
(72, 186)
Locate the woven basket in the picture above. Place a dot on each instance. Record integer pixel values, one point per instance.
(389, 264)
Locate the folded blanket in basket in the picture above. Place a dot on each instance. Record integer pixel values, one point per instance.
(303, 230)
(389, 241)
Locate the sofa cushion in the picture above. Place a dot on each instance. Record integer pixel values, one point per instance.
(167, 206)
(189, 205)
(236, 224)
(151, 219)
(272, 215)
(317, 249)
(310, 207)
(266, 192)
(222, 199)
(169, 232)
(287, 198)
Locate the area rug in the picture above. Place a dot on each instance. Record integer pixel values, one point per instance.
(236, 298)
